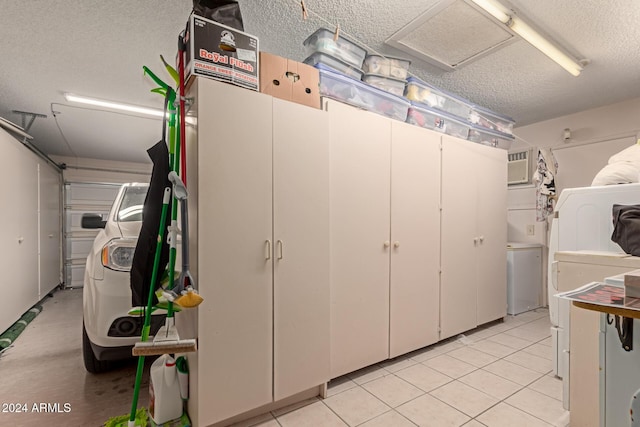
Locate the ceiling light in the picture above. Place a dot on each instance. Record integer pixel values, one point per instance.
(114, 105)
(502, 14)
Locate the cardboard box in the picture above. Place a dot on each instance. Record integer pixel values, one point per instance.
(221, 52)
(289, 80)
(632, 284)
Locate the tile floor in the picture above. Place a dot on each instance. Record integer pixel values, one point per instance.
(499, 375)
(494, 376)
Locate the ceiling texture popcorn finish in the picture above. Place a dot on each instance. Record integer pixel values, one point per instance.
(97, 49)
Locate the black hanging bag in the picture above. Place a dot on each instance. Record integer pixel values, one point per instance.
(626, 228)
(223, 11)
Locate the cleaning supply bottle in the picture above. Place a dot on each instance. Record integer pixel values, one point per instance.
(165, 403)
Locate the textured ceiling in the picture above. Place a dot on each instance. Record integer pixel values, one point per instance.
(97, 48)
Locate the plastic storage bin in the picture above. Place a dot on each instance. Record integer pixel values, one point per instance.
(490, 137)
(491, 120)
(387, 84)
(354, 92)
(335, 63)
(346, 50)
(423, 92)
(388, 66)
(431, 118)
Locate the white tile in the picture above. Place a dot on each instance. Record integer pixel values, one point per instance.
(389, 419)
(481, 333)
(398, 363)
(510, 341)
(490, 383)
(532, 315)
(539, 405)
(500, 327)
(473, 357)
(367, 374)
(493, 348)
(546, 341)
(549, 385)
(450, 366)
(426, 353)
(294, 406)
(316, 414)
(539, 350)
(356, 406)
(533, 335)
(530, 361)
(423, 377)
(392, 390)
(516, 373)
(464, 398)
(503, 415)
(339, 385)
(474, 423)
(264, 420)
(429, 411)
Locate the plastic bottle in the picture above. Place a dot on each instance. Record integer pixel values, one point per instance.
(165, 403)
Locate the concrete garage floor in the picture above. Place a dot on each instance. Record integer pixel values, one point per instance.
(45, 366)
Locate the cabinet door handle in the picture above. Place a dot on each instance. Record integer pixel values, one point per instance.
(51, 236)
(280, 249)
(475, 241)
(396, 245)
(20, 239)
(481, 238)
(268, 246)
(386, 243)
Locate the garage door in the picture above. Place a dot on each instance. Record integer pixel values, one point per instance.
(80, 198)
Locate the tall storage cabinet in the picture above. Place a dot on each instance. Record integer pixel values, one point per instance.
(415, 238)
(258, 177)
(474, 235)
(360, 237)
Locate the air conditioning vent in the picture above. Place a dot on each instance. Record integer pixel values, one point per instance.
(518, 168)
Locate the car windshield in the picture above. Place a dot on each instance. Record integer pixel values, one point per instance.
(131, 205)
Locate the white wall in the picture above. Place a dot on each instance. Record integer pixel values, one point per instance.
(103, 171)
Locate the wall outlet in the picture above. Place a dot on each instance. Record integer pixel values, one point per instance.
(531, 230)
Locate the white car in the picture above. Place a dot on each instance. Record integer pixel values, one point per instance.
(109, 332)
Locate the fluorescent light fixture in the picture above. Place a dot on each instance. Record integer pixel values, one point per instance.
(502, 14)
(113, 105)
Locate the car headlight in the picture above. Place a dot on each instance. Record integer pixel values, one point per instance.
(117, 254)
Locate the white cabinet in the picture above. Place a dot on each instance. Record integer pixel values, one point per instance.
(474, 236)
(415, 237)
(49, 209)
(360, 237)
(385, 233)
(258, 177)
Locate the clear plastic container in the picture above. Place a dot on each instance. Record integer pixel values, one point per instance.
(388, 66)
(491, 120)
(490, 137)
(354, 92)
(432, 118)
(344, 49)
(419, 91)
(387, 84)
(335, 63)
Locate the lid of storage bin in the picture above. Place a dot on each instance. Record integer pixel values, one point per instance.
(493, 113)
(387, 57)
(362, 85)
(444, 92)
(346, 64)
(330, 34)
(491, 131)
(442, 113)
(403, 81)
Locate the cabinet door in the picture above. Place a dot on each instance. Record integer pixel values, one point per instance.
(491, 166)
(360, 218)
(415, 238)
(458, 299)
(234, 223)
(50, 226)
(301, 249)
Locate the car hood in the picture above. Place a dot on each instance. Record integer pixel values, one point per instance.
(130, 228)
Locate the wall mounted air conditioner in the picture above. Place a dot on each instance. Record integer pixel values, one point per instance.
(518, 167)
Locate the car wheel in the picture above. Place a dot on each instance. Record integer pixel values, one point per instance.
(92, 364)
